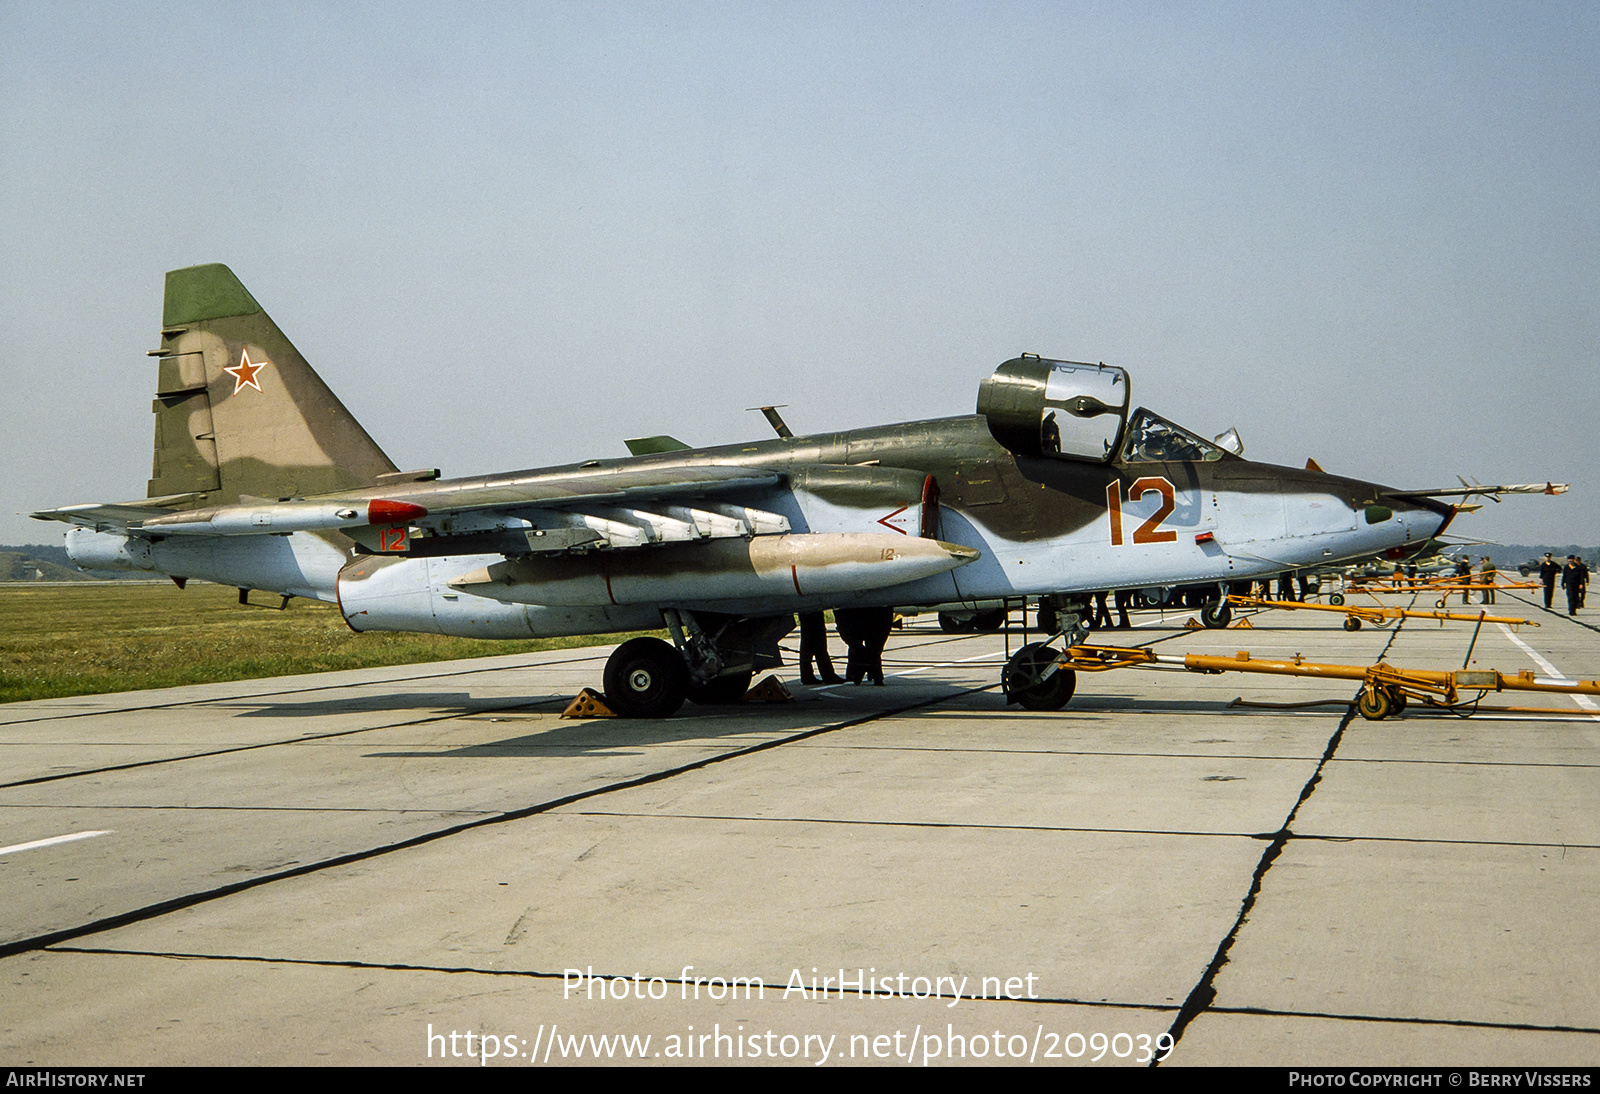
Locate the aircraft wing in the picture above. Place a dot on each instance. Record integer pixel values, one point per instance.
(560, 510)
(539, 511)
(616, 485)
(118, 515)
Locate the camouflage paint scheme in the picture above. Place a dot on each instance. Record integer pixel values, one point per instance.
(247, 435)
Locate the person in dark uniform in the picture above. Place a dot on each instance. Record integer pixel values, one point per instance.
(1286, 586)
(1124, 598)
(1549, 570)
(1574, 577)
(814, 650)
(1102, 612)
(865, 631)
(1464, 578)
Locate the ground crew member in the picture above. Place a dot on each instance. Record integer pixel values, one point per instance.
(1572, 578)
(1102, 612)
(865, 631)
(1487, 575)
(814, 650)
(1549, 569)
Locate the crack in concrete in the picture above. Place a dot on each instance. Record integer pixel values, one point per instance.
(1204, 993)
(160, 908)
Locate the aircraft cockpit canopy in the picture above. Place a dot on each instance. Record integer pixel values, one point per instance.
(1153, 439)
(1060, 409)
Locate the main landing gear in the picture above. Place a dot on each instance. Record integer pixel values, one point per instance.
(710, 662)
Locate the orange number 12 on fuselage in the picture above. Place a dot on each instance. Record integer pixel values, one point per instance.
(1150, 531)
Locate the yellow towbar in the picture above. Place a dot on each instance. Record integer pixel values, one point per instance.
(1376, 614)
(1385, 688)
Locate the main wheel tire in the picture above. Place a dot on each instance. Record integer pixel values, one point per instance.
(1216, 613)
(1374, 704)
(989, 622)
(645, 678)
(1020, 679)
(949, 624)
(1337, 600)
(1351, 623)
(722, 691)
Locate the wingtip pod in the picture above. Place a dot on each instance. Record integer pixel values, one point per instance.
(256, 518)
(198, 293)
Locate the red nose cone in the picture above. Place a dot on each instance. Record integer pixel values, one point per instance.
(383, 511)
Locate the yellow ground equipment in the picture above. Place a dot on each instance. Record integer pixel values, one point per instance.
(1444, 586)
(1040, 678)
(1376, 614)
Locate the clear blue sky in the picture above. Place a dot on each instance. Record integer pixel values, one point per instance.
(512, 235)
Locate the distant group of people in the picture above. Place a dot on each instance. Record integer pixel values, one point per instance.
(1574, 579)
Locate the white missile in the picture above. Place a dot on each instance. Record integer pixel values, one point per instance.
(788, 566)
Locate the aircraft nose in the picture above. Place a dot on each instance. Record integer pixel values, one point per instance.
(1428, 517)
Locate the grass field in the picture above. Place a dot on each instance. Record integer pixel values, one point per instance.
(85, 639)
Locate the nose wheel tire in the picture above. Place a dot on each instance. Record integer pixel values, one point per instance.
(1024, 682)
(646, 678)
(1216, 613)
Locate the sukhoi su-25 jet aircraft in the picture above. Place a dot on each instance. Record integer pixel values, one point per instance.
(1056, 487)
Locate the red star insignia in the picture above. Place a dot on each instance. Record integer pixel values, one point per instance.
(244, 373)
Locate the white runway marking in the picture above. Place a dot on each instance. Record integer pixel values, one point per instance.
(52, 840)
(948, 664)
(1550, 670)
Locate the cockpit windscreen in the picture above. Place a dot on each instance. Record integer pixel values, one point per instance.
(1153, 439)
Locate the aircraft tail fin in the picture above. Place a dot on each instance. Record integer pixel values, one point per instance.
(238, 410)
